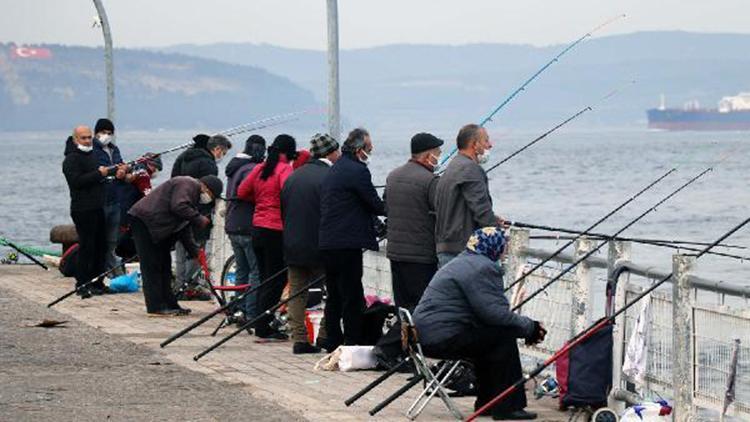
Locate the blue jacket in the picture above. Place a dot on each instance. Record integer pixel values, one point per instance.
(348, 206)
(466, 293)
(112, 186)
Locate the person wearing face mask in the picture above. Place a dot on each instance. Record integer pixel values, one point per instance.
(169, 213)
(409, 200)
(349, 207)
(462, 200)
(85, 178)
(199, 161)
(108, 154)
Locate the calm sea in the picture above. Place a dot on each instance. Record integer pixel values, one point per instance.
(569, 180)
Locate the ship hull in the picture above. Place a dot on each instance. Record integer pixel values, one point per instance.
(708, 120)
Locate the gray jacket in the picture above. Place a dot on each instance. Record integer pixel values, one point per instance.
(466, 293)
(463, 204)
(409, 198)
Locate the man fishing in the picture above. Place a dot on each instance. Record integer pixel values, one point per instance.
(167, 214)
(463, 200)
(464, 314)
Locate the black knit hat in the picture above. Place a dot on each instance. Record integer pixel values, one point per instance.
(104, 124)
(286, 145)
(252, 142)
(201, 140)
(422, 142)
(213, 184)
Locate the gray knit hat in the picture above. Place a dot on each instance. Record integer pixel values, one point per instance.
(322, 144)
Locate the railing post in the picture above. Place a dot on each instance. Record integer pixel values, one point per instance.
(618, 251)
(516, 259)
(581, 312)
(683, 375)
(219, 241)
(334, 117)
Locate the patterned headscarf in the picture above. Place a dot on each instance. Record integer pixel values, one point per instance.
(488, 241)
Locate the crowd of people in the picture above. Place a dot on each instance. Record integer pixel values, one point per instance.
(298, 215)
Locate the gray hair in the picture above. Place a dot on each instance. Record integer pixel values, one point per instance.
(220, 141)
(356, 140)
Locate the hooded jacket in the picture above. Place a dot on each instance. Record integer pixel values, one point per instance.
(239, 219)
(112, 186)
(86, 184)
(464, 294)
(349, 205)
(266, 194)
(195, 162)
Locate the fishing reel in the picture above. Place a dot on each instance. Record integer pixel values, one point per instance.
(605, 414)
(10, 258)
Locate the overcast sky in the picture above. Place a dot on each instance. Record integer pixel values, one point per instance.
(301, 23)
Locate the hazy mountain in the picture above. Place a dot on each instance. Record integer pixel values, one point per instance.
(153, 90)
(432, 85)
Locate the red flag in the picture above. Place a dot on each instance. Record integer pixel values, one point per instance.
(30, 53)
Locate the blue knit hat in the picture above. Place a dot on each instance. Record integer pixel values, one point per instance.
(487, 241)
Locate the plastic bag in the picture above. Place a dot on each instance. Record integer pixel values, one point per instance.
(648, 412)
(348, 358)
(127, 283)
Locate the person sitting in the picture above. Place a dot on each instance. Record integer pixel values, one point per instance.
(464, 314)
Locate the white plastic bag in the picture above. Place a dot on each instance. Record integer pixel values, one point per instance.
(357, 357)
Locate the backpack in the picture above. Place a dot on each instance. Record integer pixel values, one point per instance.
(69, 261)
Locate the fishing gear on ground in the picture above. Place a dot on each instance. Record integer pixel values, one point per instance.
(593, 329)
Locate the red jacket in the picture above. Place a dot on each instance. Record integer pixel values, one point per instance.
(266, 194)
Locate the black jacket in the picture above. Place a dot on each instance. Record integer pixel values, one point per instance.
(86, 184)
(349, 203)
(466, 293)
(196, 163)
(409, 199)
(239, 219)
(300, 210)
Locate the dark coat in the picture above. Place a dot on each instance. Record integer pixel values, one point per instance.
(409, 200)
(300, 209)
(86, 184)
(466, 293)
(195, 162)
(235, 163)
(112, 187)
(239, 219)
(349, 203)
(169, 208)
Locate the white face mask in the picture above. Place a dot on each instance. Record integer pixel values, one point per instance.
(436, 163)
(484, 157)
(106, 139)
(84, 148)
(366, 159)
(205, 198)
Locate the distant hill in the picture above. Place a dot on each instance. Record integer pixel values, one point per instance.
(153, 90)
(432, 85)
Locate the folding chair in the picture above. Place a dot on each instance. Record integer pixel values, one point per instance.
(434, 381)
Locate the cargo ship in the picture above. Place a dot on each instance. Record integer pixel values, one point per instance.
(732, 113)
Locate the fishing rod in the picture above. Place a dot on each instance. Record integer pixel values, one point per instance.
(90, 282)
(221, 309)
(267, 312)
(24, 253)
(595, 249)
(541, 70)
(588, 332)
(652, 242)
(646, 241)
(592, 227)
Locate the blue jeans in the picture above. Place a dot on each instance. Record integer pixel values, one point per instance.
(246, 269)
(112, 214)
(444, 258)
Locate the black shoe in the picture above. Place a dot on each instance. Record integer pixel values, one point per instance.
(84, 293)
(327, 345)
(100, 290)
(183, 311)
(271, 335)
(516, 415)
(301, 348)
(165, 313)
